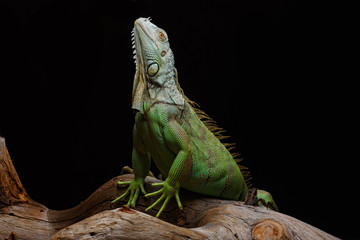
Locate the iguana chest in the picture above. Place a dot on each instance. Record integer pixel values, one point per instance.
(150, 127)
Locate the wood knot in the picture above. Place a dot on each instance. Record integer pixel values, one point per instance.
(269, 229)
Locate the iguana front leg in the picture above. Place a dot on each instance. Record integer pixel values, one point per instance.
(179, 142)
(141, 166)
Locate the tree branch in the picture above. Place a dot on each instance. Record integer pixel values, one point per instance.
(97, 218)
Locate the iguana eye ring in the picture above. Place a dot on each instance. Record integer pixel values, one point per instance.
(163, 53)
(152, 69)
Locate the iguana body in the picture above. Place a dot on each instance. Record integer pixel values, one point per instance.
(169, 130)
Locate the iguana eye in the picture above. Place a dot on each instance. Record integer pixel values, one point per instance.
(163, 53)
(153, 69)
(162, 35)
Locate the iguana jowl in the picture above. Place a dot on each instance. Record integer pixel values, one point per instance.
(169, 130)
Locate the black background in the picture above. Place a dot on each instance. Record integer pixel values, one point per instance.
(264, 70)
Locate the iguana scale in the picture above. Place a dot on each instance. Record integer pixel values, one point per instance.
(182, 140)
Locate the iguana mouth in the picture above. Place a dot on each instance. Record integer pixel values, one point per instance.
(139, 26)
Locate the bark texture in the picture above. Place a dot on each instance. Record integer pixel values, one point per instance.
(97, 218)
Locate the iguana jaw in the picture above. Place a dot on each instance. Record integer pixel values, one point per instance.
(144, 44)
(140, 76)
(145, 54)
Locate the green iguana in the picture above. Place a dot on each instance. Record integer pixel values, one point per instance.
(182, 140)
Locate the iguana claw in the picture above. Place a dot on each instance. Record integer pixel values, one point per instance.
(167, 193)
(134, 188)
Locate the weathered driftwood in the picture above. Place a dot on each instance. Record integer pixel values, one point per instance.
(97, 218)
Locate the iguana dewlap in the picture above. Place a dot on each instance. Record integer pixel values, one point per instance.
(169, 131)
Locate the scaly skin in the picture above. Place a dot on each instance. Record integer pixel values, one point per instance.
(168, 131)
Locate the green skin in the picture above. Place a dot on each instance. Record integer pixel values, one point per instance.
(172, 135)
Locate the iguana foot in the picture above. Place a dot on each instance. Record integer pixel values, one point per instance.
(135, 186)
(265, 199)
(130, 170)
(167, 193)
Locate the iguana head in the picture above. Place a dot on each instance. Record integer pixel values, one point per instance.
(155, 72)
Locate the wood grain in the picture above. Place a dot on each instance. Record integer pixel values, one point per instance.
(97, 218)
